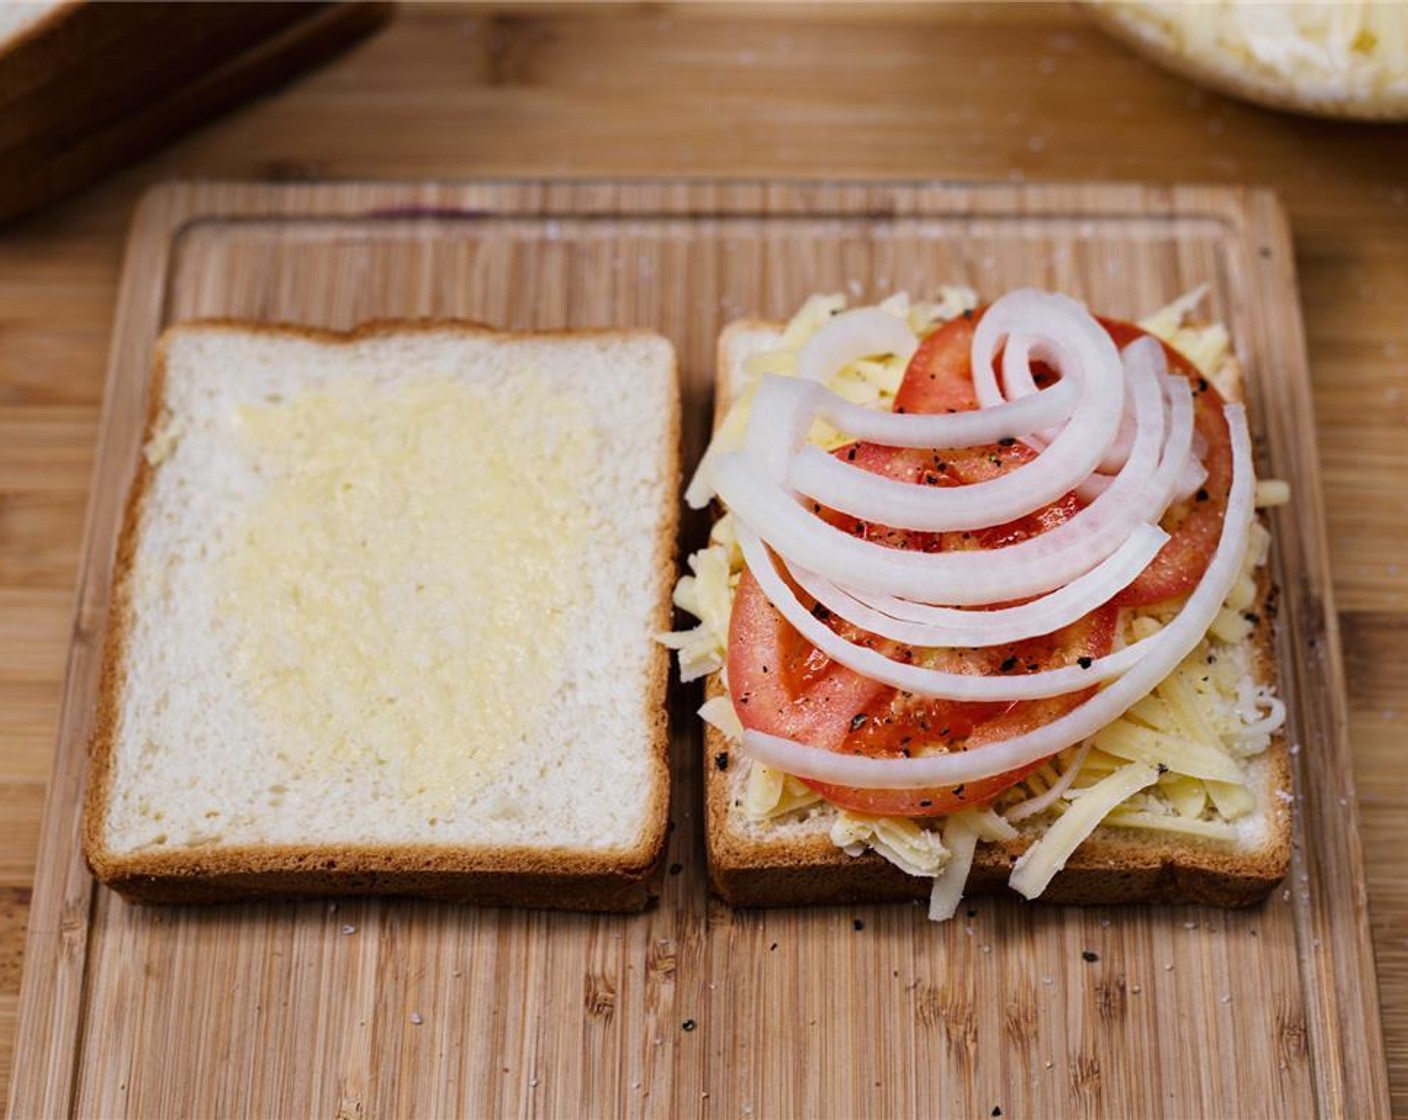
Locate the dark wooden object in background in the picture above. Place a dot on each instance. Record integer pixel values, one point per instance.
(92, 87)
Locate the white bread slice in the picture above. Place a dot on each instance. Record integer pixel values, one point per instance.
(384, 616)
(792, 861)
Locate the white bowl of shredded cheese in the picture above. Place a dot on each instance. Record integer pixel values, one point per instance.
(1344, 59)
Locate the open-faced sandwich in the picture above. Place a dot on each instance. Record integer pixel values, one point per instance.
(986, 604)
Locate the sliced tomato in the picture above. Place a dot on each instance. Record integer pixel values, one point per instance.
(783, 685)
(1195, 525)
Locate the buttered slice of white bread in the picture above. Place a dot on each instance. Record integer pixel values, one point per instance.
(791, 858)
(383, 619)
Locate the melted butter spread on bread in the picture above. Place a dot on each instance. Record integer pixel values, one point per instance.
(402, 590)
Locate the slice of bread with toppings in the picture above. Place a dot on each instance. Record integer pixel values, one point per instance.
(773, 842)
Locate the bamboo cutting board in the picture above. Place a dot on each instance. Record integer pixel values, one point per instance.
(390, 1008)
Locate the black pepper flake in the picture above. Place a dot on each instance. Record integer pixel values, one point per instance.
(820, 613)
(1089, 957)
(860, 527)
(924, 804)
(1007, 441)
(688, 1025)
(816, 507)
(1202, 494)
(1252, 617)
(1202, 384)
(995, 460)
(958, 789)
(968, 314)
(899, 410)
(1162, 768)
(997, 1110)
(851, 455)
(765, 668)
(1085, 662)
(859, 720)
(941, 465)
(1032, 666)
(931, 479)
(676, 868)
(1008, 665)
(858, 925)
(773, 947)
(721, 760)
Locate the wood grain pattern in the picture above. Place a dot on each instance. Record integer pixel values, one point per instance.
(911, 90)
(395, 1008)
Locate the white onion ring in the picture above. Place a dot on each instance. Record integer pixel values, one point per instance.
(1031, 567)
(1011, 419)
(919, 624)
(936, 684)
(863, 333)
(1181, 636)
(1087, 358)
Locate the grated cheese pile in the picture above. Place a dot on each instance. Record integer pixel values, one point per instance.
(1345, 57)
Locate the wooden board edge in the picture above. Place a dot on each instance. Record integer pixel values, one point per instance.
(1333, 932)
(52, 984)
(58, 937)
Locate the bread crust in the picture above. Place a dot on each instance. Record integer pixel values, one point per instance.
(1106, 869)
(545, 878)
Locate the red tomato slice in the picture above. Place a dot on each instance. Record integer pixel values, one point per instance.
(783, 685)
(1195, 525)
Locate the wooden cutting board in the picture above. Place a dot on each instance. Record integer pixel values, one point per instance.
(401, 1008)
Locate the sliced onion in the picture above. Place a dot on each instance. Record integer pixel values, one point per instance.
(1034, 805)
(919, 624)
(1011, 419)
(937, 684)
(1098, 372)
(1031, 567)
(1188, 629)
(1035, 325)
(865, 332)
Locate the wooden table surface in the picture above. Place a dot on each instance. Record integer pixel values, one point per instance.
(965, 92)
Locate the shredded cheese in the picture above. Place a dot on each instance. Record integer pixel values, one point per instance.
(769, 794)
(914, 850)
(1038, 865)
(961, 838)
